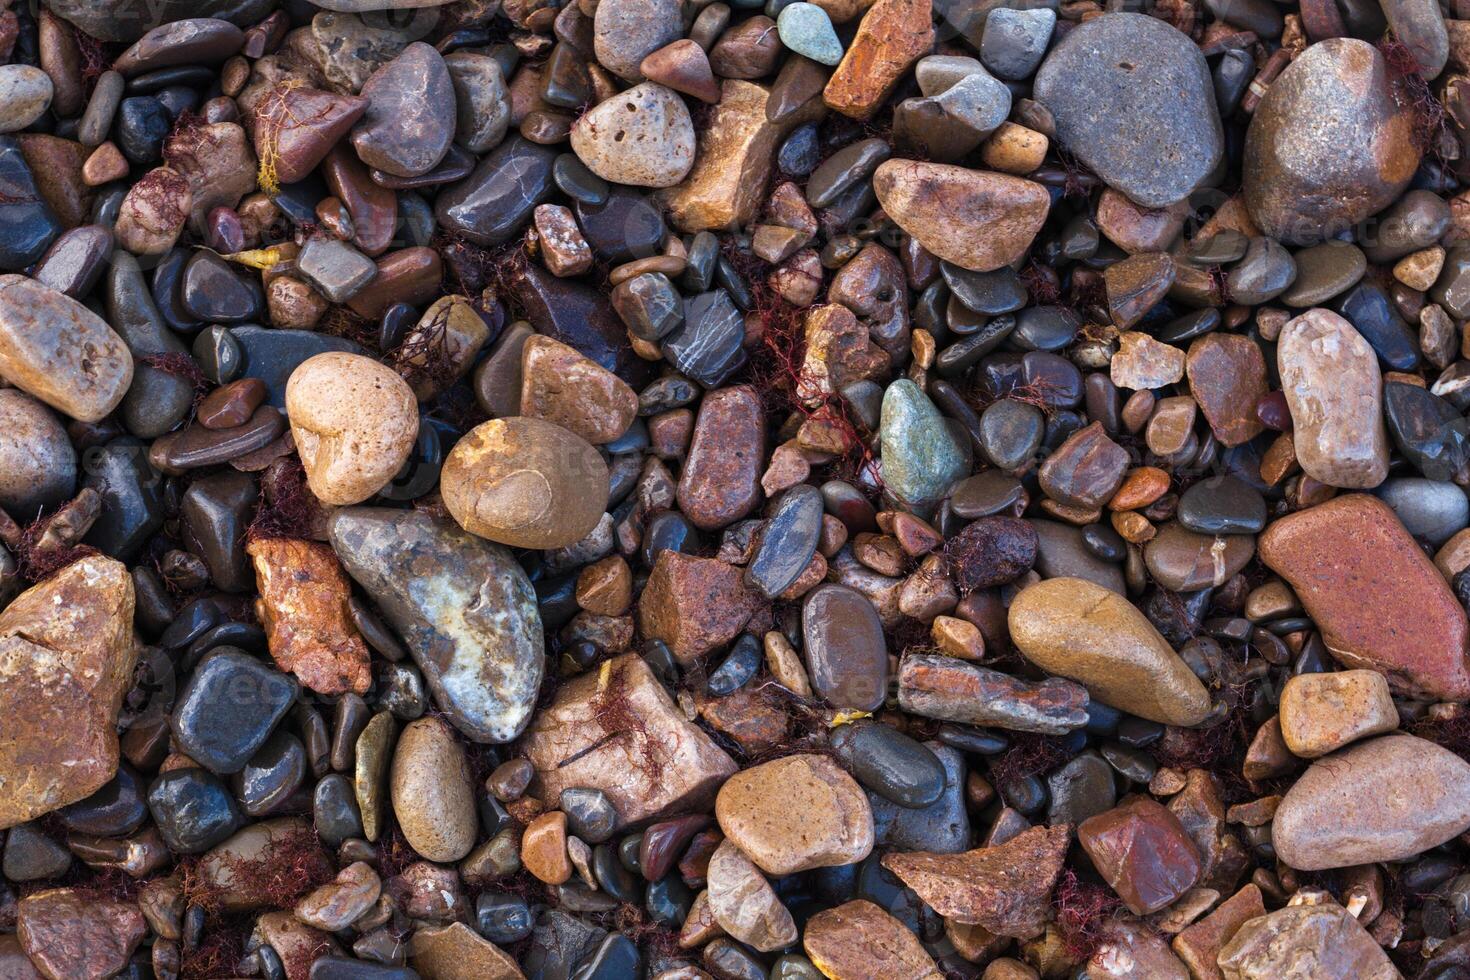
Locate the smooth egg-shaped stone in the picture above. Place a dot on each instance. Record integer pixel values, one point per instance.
(846, 654)
(56, 349)
(1096, 637)
(1388, 799)
(25, 93)
(525, 483)
(433, 794)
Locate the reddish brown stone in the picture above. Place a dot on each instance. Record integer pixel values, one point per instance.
(232, 404)
(1142, 852)
(892, 35)
(410, 275)
(991, 551)
(303, 606)
(1004, 889)
(295, 127)
(562, 386)
(1227, 377)
(544, 848)
(694, 604)
(1358, 573)
(1136, 284)
(616, 729)
(755, 723)
(1085, 470)
(70, 934)
(721, 479)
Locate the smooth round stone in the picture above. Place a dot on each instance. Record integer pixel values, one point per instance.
(1263, 273)
(738, 667)
(1427, 430)
(213, 292)
(890, 763)
(494, 203)
(482, 104)
(1080, 789)
(193, 810)
(1133, 99)
(228, 709)
(669, 900)
(621, 229)
(1015, 41)
(846, 654)
(1323, 271)
(1104, 542)
(191, 41)
(38, 466)
(984, 494)
(643, 137)
(1183, 561)
(1415, 221)
(922, 458)
(59, 351)
(800, 152)
(141, 126)
(795, 814)
(788, 540)
(624, 32)
(410, 118)
(806, 29)
(1373, 314)
(432, 792)
(1084, 632)
(1045, 328)
(355, 422)
(25, 94)
(1011, 433)
(75, 261)
(30, 855)
(1430, 510)
(1340, 813)
(525, 483)
(1328, 145)
(503, 918)
(844, 169)
(1188, 327)
(334, 810)
(270, 777)
(1222, 505)
(590, 814)
(989, 293)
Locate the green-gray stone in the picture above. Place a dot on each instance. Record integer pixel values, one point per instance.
(806, 29)
(922, 458)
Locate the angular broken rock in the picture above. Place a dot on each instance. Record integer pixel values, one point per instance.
(463, 606)
(66, 660)
(942, 687)
(859, 939)
(616, 729)
(1004, 889)
(303, 607)
(694, 604)
(70, 933)
(892, 36)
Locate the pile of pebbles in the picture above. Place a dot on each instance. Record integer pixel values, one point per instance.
(865, 489)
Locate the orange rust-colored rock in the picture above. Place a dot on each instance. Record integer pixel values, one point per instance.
(974, 218)
(859, 940)
(303, 606)
(1377, 598)
(66, 660)
(892, 35)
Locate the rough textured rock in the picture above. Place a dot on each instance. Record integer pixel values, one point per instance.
(616, 729)
(303, 608)
(694, 604)
(56, 349)
(892, 35)
(1311, 940)
(744, 904)
(463, 607)
(1005, 889)
(66, 660)
(1351, 562)
(68, 933)
(1323, 712)
(642, 136)
(859, 939)
(1095, 636)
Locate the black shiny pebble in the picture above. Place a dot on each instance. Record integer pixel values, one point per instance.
(590, 814)
(191, 622)
(273, 773)
(1132, 764)
(167, 294)
(799, 153)
(217, 354)
(1222, 505)
(1102, 719)
(709, 347)
(229, 708)
(140, 127)
(1104, 542)
(738, 668)
(668, 900)
(699, 268)
(187, 76)
(212, 291)
(334, 810)
(890, 763)
(193, 810)
(557, 599)
(987, 293)
(1136, 733)
(1189, 326)
(574, 180)
(132, 498)
(668, 530)
(976, 740)
(30, 855)
(616, 958)
(612, 877)
(421, 472)
(344, 968)
(1026, 794)
(503, 918)
(623, 227)
(29, 224)
(786, 543)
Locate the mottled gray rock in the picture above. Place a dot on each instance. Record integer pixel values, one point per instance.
(462, 605)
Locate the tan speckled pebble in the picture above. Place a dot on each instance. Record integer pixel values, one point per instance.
(354, 420)
(432, 793)
(525, 483)
(1323, 712)
(795, 814)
